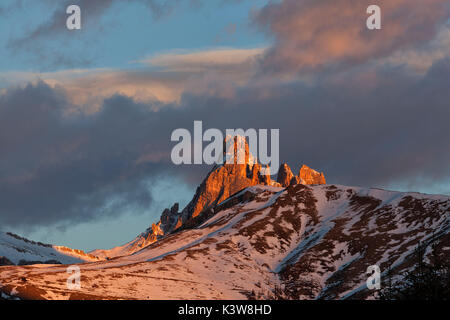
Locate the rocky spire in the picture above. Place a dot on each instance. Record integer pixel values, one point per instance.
(306, 176)
(311, 176)
(285, 175)
(226, 179)
(169, 218)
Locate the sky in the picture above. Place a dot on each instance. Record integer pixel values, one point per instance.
(86, 115)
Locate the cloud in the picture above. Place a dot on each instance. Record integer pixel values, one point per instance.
(312, 35)
(422, 58)
(87, 88)
(38, 40)
(161, 78)
(205, 60)
(377, 127)
(374, 124)
(91, 10)
(59, 167)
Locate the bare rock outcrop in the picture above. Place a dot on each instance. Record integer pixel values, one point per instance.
(285, 175)
(310, 176)
(306, 176)
(227, 179)
(169, 218)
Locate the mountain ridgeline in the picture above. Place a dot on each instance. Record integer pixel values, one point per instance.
(221, 182)
(245, 236)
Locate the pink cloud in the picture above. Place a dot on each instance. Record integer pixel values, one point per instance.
(312, 34)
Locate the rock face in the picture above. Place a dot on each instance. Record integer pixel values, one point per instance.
(224, 180)
(306, 176)
(300, 242)
(229, 178)
(309, 176)
(169, 218)
(240, 169)
(285, 175)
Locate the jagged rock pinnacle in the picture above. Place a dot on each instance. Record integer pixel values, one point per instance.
(285, 175)
(311, 176)
(225, 180)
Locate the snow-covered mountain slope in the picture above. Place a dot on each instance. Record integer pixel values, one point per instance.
(141, 241)
(220, 183)
(315, 241)
(17, 250)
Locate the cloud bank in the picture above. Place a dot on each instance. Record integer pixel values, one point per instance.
(362, 108)
(313, 35)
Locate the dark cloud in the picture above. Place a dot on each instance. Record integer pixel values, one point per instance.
(58, 167)
(390, 130)
(367, 124)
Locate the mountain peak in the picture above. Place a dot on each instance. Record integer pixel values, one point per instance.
(225, 180)
(221, 183)
(310, 176)
(236, 151)
(285, 175)
(250, 245)
(306, 176)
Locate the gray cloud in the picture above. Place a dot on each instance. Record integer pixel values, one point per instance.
(390, 132)
(366, 124)
(58, 167)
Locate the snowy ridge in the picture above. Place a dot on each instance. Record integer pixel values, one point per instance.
(18, 250)
(315, 241)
